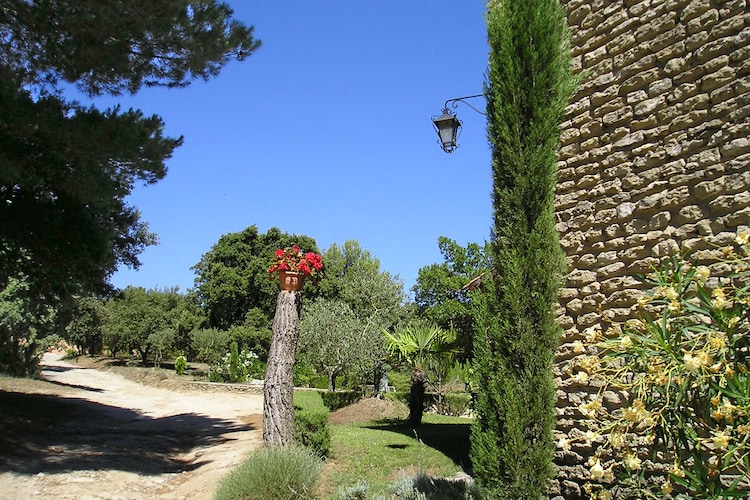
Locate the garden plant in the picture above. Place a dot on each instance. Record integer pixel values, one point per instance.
(682, 368)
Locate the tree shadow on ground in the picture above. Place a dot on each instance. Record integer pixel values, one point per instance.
(53, 434)
(450, 439)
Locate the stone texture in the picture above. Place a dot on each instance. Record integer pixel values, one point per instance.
(655, 160)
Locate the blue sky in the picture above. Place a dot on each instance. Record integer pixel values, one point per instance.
(325, 131)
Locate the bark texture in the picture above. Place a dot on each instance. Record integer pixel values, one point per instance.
(278, 406)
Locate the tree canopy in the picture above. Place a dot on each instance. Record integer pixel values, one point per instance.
(120, 45)
(232, 277)
(440, 293)
(66, 170)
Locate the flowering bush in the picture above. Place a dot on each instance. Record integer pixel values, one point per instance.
(237, 366)
(294, 260)
(683, 372)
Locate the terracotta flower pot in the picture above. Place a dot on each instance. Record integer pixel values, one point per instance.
(291, 281)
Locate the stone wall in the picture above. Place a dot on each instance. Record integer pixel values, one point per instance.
(655, 160)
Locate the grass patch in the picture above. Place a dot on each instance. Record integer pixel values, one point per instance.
(272, 474)
(309, 400)
(380, 453)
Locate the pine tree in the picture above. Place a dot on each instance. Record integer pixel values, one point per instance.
(529, 84)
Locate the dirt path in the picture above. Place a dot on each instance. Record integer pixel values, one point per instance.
(88, 434)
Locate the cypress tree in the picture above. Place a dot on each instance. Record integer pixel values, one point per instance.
(529, 83)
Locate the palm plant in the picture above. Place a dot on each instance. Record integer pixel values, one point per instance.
(424, 348)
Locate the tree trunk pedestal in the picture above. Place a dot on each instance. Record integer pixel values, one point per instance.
(278, 403)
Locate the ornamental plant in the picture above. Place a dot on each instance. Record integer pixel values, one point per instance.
(682, 368)
(292, 259)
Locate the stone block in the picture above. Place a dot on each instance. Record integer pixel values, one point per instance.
(708, 189)
(649, 106)
(703, 22)
(725, 204)
(639, 81)
(611, 270)
(717, 79)
(735, 147)
(578, 278)
(612, 285)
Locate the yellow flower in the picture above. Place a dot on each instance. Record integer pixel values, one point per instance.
(743, 236)
(563, 444)
(733, 321)
(643, 300)
(592, 334)
(617, 439)
(670, 293)
(605, 495)
(702, 273)
(581, 377)
(632, 462)
(717, 340)
(578, 347)
(591, 407)
(694, 362)
(720, 298)
(597, 471)
(674, 306)
(721, 440)
(727, 411)
(677, 470)
(626, 342)
(591, 436)
(666, 488)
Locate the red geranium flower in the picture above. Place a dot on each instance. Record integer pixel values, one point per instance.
(292, 259)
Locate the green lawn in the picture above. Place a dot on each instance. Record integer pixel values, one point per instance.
(379, 453)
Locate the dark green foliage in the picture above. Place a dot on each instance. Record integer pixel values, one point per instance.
(232, 277)
(440, 293)
(313, 430)
(340, 399)
(529, 84)
(65, 174)
(85, 330)
(66, 170)
(455, 404)
(143, 320)
(237, 371)
(120, 45)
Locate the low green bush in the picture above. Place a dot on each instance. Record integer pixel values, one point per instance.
(423, 487)
(275, 473)
(401, 381)
(397, 396)
(336, 400)
(313, 430)
(180, 365)
(455, 404)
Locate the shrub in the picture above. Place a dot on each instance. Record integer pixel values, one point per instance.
(313, 430)
(180, 365)
(336, 400)
(397, 396)
(424, 487)
(454, 404)
(360, 491)
(236, 366)
(276, 473)
(685, 367)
